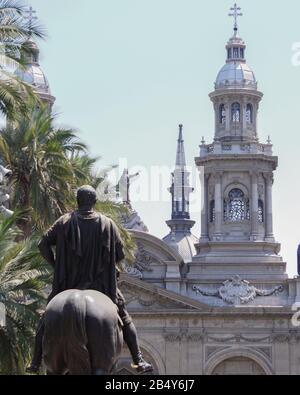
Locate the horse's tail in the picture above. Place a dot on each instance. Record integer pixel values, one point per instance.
(76, 352)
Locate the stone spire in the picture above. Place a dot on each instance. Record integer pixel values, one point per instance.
(180, 188)
(180, 156)
(180, 237)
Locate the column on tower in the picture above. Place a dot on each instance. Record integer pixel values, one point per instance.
(218, 206)
(244, 113)
(227, 110)
(254, 206)
(205, 208)
(269, 179)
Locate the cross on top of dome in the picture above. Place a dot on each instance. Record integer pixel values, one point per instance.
(235, 14)
(30, 17)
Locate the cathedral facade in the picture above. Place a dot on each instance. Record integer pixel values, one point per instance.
(220, 303)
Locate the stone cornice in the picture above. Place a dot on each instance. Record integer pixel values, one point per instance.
(157, 292)
(237, 157)
(227, 92)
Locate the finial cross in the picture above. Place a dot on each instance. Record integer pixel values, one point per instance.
(30, 17)
(235, 14)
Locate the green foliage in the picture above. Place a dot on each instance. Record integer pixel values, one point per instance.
(48, 164)
(23, 278)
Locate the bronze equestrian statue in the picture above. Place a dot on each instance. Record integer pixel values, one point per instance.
(83, 334)
(88, 247)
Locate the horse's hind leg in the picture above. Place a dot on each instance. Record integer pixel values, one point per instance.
(54, 361)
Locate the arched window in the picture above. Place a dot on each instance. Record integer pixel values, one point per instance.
(229, 53)
(260, 211)
(235, 53)
(236, 112)
(222, 114)
(212, 211)
(237, 207)
(249, 113)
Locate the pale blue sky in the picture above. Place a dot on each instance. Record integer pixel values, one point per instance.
(127, 72)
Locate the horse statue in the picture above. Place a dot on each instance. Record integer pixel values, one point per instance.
(83, 334)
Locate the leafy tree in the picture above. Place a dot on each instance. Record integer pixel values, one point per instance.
(45, 162)
(23, 278)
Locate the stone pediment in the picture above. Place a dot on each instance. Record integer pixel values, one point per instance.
(141, 296)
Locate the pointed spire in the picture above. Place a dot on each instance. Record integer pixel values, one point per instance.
(180, 223)
(180, 188)
(180, 156)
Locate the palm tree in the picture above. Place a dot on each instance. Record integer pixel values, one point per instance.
(15, 32)
(45, 162)
(23, 277)
(48, 165)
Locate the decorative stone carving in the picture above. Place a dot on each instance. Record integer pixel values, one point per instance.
(147, 303)
(261, 191)
(195, 337)
(238, 338)
(256, 339)
(173, 337)
(133, 221)
(221, 339)
(144, 259)
(142, 263)
(183, 334)
(267, 351)
(281, 338)
(246, 147)
(237, 291)
(132, 271)
(210, 350)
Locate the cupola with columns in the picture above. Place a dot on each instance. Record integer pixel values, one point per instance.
(32, 73)
(236, 98)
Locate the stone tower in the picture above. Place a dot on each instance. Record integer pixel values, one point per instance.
(180, 237)
(237, 178)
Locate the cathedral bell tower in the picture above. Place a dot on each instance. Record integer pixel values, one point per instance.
(237, 172)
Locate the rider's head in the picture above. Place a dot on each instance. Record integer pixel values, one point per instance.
(86, 197)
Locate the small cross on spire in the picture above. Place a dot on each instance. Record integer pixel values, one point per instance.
(30, 17)
(235, 14)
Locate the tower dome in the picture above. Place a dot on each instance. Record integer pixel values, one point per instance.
(236, 73)
(236, 97)
(32, 73)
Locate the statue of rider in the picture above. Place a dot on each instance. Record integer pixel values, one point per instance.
(88, 247)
